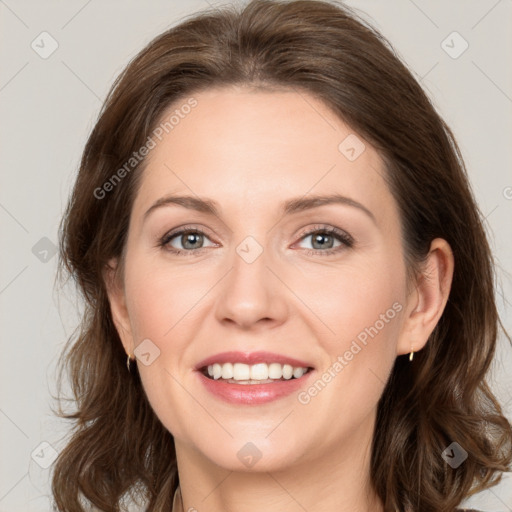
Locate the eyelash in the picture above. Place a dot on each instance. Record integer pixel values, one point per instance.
(346, 240)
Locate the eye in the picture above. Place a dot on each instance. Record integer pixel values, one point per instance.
(188, 239)
(324, 238)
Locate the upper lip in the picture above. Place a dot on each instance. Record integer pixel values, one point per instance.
(251, 358)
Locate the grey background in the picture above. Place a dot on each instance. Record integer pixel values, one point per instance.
(48, 107)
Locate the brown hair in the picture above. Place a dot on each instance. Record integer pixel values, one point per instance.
(327, 50)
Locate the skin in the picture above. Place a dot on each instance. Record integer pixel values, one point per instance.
(250, 151)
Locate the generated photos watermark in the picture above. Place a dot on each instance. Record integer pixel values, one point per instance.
(138, 156)
(305, 397)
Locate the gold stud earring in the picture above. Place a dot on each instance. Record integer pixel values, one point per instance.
(128, 361)
(411, 355)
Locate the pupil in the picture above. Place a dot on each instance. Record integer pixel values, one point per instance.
(190, 238)
(320, 238)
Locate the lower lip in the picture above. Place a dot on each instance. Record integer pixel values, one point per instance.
(253, 394)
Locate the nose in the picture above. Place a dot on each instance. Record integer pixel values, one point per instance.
(251, 294)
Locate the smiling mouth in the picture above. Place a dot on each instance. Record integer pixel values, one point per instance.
(261, 373)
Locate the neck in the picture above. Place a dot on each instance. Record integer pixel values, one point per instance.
(336, 478)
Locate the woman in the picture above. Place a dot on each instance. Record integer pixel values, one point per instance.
(272, 220)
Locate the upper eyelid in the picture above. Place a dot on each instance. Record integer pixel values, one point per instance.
(304, 231)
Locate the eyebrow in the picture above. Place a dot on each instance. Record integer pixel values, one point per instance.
(290, 206)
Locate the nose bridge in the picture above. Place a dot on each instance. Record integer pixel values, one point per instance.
(250, 291)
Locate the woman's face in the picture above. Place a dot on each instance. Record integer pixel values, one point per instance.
(312, 284)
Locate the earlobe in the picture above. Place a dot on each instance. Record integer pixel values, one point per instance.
(429, 298)
(117, 300)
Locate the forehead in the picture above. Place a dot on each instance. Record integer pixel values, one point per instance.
(246, 147)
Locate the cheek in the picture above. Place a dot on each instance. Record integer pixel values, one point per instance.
(362, 306)
(352, 298)
(367, 323)
(161, 309)
(370, 311)
(161, 299)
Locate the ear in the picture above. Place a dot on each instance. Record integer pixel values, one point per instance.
(427, 301)
(117, 300)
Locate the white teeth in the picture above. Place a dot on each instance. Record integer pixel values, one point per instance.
(259, 373)
(227, 371)
(275, 371)
(287, 371)
(298, 372)
(241, 371)
(217, 371)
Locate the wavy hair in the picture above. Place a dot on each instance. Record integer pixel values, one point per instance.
(118, 447)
